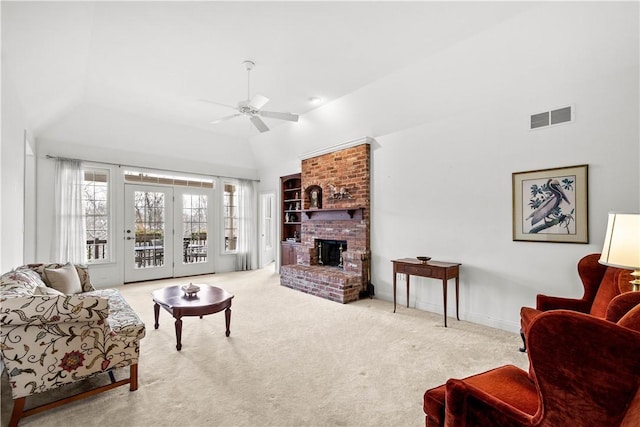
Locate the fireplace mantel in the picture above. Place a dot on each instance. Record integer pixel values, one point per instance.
(334, 213)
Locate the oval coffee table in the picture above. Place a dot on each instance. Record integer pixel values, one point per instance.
(208, 300)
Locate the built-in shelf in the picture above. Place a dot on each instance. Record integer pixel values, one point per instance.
(291, 194)
(334, 213)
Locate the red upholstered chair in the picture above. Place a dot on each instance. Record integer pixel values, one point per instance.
(584, 372)
(602, 285)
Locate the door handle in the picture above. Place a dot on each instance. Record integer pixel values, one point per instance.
(129, 238)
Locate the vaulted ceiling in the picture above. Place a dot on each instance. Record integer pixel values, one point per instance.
(160, 59)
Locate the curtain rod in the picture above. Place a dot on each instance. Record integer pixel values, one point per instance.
(49, 156)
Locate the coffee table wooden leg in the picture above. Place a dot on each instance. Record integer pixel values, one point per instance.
(156, 311)
(227, 318)
(178, 333)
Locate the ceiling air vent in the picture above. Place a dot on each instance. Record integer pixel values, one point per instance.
(553, 117)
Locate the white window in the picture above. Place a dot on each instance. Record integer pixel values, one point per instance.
(95, 197)
(230, 206)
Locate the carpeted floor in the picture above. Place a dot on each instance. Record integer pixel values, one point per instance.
(292, 360)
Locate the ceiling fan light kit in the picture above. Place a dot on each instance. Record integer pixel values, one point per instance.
(252, 107)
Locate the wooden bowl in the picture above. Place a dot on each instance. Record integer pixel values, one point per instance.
(424, 259)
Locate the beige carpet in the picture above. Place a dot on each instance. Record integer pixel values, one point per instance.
(292, 360)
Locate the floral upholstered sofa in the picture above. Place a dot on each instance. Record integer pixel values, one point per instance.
(55, 329)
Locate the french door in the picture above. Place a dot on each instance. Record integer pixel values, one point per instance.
(193, 224)
(148, 238)
(166, 232)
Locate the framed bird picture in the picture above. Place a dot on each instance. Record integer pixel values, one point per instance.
(550, 205)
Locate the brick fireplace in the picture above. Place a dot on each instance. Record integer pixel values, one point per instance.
(335, 218)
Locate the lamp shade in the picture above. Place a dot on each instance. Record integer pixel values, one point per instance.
(622, 241)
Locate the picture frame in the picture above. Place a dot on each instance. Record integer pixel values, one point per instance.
(551, 205)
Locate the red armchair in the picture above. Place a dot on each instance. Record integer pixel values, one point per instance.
(584, 372)
(602, 285)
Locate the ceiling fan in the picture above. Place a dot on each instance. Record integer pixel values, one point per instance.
(252, 107)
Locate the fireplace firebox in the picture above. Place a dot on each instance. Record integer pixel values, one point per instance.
(330, 252)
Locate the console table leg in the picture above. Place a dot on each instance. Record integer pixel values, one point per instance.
(407, 291)
(457, 301)
(178, 333)
(444, 297)
(395, 275)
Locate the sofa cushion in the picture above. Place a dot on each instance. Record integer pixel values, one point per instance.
(20, 282)
(64, 279)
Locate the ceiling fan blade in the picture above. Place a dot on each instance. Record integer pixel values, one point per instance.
(258, 101)
(259, 124)
(218, 103)
(222, 119)
(281, 116)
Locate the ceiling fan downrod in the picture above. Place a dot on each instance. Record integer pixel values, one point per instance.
(248, 65)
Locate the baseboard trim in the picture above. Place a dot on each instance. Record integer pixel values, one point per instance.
(451, 310)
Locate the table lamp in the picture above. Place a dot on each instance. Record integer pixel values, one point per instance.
(622, 244)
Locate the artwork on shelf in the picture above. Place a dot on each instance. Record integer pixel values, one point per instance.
(550, 205)
(339, 193)
(315, 196)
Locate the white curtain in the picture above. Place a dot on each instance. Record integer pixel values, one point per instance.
(69, 244)
(246, 255)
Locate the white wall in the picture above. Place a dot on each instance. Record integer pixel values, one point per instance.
(450, 131)
(14, 125)
(30, 200)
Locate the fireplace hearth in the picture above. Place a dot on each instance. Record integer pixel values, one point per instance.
(330, 252)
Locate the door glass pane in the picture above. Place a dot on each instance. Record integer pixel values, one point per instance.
(149, 226)
(194, 235)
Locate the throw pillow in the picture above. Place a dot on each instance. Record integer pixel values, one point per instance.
(64, 279)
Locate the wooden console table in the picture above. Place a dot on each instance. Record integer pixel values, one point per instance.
(431, 269)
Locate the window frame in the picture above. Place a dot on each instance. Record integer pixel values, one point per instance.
(109, 252)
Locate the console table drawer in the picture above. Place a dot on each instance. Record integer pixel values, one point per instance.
(415, 270)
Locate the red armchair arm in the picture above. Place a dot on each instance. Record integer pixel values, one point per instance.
(621, 305)
(470, 406)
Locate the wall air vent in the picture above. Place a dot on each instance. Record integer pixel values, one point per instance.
(553, 117)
